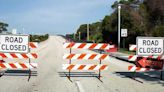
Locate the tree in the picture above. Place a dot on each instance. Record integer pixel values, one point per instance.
(140, 17)
(83, 31)
(3, 27)
(94, 29)
(155, 15)
(159, 31)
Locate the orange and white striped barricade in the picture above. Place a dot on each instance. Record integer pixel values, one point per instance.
(85, 56)
(132, 47)
(19, 55)
(16, 46)
(140, 69)
(24, 66)
(102, 46)
(33, 45)
(84, 67)
(134, 57)
(142, 61)
(18, 65)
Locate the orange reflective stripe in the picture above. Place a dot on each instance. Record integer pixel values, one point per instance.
(82, 45)
(70, 67)
(130, 57)
(13, 55)
(12, 65)
(92, 56)
(3, 55)
(31, 44)
(92, 67)
(130, 67)
(93, 45)
(23, 65)
(81, 67)
(103, 67)
(104, 46)
(70, 45)
(70, 56)
(81, 56)
(103, 56)
(34, 55)
(24, 55)
(2, 65)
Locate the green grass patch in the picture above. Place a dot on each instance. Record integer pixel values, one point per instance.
(126, 51)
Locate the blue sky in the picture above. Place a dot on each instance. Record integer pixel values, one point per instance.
(52, 16)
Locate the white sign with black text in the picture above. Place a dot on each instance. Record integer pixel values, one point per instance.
(150, 46)
(14, 43)
(124, 32)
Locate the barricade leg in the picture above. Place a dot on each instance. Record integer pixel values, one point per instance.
(70, 63)
(99, 69)
(29, 68)
(161, 76)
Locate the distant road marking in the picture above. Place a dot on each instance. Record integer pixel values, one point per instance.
(79, 86)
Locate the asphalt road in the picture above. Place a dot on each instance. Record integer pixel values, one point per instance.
(49, 77)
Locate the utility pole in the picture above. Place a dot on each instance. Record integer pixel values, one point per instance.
(74, 36)
(79, 36)
(119, 23)
(87, 32)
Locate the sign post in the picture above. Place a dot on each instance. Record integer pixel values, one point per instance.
(150, 46)
(124, 34)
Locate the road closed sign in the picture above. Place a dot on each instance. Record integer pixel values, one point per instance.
(150, 46)
(14, 43)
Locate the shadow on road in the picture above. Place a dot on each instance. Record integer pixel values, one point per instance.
(19, 73)
(151, 76)
(79, 74)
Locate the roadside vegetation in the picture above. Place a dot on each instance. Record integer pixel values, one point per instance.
(33, 38)
(38, 38)
(126, 51)
(140, 17)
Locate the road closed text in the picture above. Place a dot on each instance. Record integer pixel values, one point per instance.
(14, 43)
(149, 46)
(150, 49)
(13, 47)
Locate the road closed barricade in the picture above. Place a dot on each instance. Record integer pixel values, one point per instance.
(19, 55)
(17, 47)
(102, 46)
(18, 65)
(149, 54)
(84, 56)
(84, 67)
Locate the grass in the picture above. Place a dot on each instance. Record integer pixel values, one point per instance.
(126, 51)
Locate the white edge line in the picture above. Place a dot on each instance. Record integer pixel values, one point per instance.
(79, 86)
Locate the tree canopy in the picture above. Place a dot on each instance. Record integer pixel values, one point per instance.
(140, 17)
(3, 27)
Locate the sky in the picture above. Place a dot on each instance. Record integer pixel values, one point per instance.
(52, 16)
